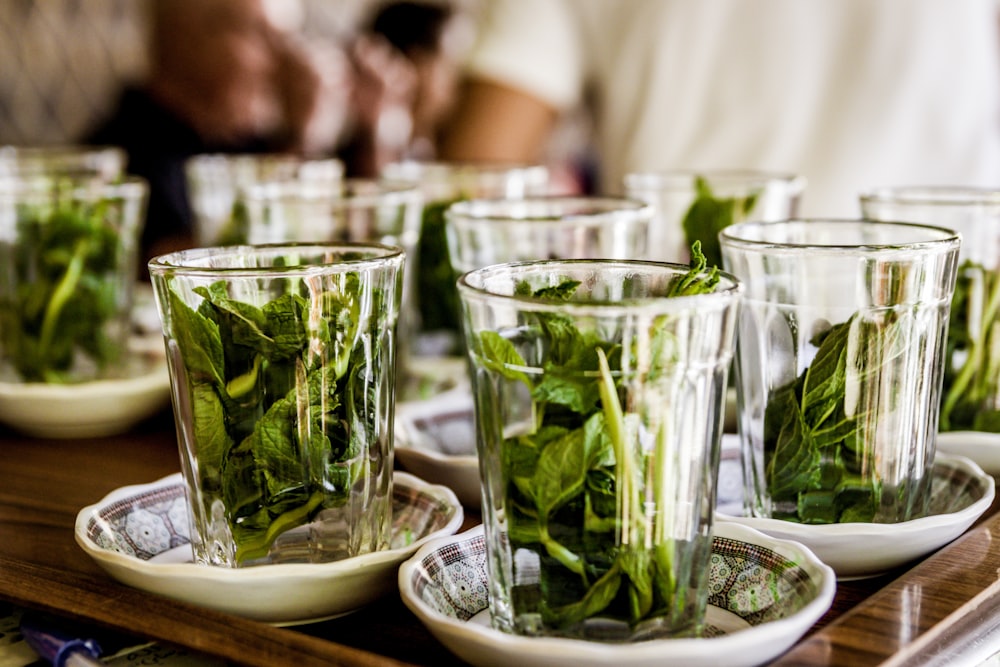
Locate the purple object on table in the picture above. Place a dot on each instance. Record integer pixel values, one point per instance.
(60, 649)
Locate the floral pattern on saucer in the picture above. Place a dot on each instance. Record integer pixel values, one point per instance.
(155, 521)
(140, 536)
(145, 525)
(960, 493)
(765, 594)
(750, 580)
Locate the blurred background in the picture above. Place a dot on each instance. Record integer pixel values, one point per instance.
(376, 77)
(848, 94)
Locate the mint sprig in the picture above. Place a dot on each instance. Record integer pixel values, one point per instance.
(575, 476)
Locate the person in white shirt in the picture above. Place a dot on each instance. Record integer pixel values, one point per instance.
(850, 94)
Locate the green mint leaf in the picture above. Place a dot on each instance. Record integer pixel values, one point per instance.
(708, 215)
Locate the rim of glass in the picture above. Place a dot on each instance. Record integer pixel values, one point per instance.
(933, 195)
(729, 287)
(936, 236)
(542, 210)
(340, 192)
(192, 262)
(71, 151)
(418, 169)
(42, 185)
(252, 158)
(662, 178)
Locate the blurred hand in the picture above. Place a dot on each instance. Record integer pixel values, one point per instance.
(384, 88)
(314, 87)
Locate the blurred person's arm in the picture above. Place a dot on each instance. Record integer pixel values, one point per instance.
(525, 70)
(494, 122)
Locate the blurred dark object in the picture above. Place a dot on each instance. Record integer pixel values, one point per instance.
(235, 83)
(407, 58)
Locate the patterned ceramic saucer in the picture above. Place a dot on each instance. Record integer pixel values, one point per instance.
(139, 535)
(960, 493)
(765, 594)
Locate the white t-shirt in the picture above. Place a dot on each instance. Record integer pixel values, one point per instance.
(851, 94)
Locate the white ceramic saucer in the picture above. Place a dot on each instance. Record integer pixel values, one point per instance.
(960, 493)
(983, 448)
(436, 440)
(139, 535)
(91, 409)
(765, 594)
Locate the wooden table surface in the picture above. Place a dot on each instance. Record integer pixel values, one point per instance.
(940, 610)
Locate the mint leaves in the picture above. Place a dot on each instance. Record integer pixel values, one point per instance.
(282, 402)
(63, 288)
(708, 215)
(810, 444)
(437, 295)
(972, 361)
(817, 463)
(577, 467)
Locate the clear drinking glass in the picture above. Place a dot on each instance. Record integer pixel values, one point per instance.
(694, 205)
(482, 232)
(215, 182)
(970, 399)
(68, 268)
(356, 210)
(281, 360)
(839, 365)
(444, 183)
(599, 388)
(72, 161)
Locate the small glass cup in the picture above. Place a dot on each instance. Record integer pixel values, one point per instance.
(442, 184)
(482, 232)
(599, 399)
(355, 210)
(970, 398)
(839, 365)
(215, 182)
(69, 258)
(69, 161)
(281, 361)
(694, 205)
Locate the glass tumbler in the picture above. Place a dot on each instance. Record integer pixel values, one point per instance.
(68, 268)
(442, 184)
(215, 182)
(694, 205)
(75, 161)
(281, 361)
(599, 388)
(482, 232)
(355, 210)
(839, 365)
(970, 399)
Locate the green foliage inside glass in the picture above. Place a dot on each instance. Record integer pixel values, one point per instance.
(62, 286)
(574, 483)
(815, 450)
(708, 215)
(281, 401)
(971, 396)
(236, 230)
(811, 448)
(436, 292)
